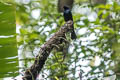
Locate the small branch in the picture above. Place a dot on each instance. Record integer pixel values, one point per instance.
(58, 38)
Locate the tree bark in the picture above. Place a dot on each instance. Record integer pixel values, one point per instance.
(61, 3)
(58, 38)
(99, 1)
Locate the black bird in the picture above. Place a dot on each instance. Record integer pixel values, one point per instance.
(68, 16)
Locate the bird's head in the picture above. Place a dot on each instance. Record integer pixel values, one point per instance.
(65, 7)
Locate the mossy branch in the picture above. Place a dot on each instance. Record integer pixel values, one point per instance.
(58, 38)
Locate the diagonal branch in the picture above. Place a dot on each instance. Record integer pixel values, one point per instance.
(58, 38)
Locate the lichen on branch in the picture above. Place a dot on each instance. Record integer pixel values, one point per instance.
(58, 38)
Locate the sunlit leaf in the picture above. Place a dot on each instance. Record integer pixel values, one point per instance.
(8, 44)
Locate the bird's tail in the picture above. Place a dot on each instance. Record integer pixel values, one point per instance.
(73, 34)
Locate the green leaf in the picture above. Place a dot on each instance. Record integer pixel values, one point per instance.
(8, 44)
(7, 1)
(7, 19)
(108, 6)
(104, 16)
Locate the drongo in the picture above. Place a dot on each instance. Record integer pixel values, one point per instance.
(68, 16)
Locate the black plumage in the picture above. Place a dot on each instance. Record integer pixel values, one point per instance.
(68, 16)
